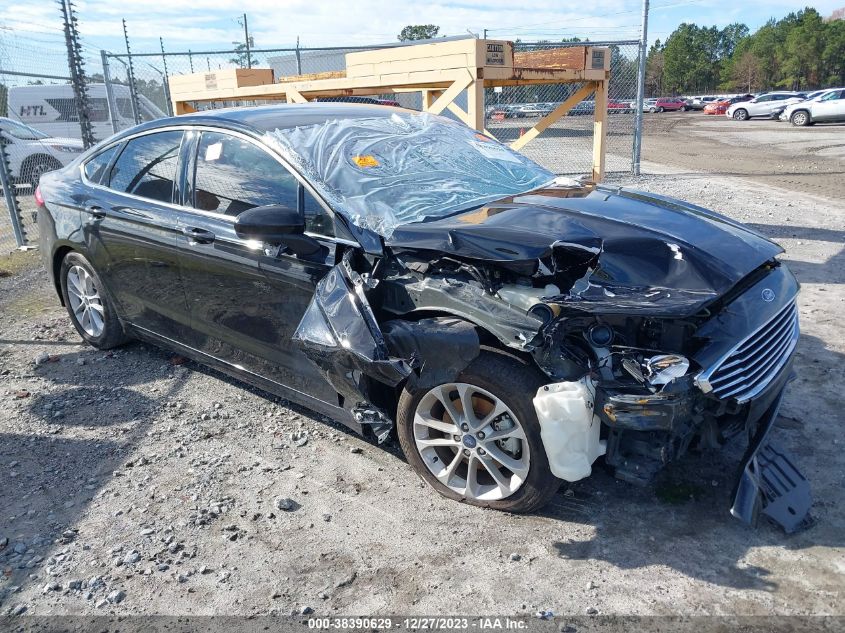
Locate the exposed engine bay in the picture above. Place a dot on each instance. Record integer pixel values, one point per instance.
(645, 356)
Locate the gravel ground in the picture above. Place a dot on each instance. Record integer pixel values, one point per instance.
(133, 482)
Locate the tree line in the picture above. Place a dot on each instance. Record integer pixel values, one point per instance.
(801, 51)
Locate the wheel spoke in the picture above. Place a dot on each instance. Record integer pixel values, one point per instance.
(73, 290)
(513, 465)
(472, 477)
(73, 277)
(436, 441)
(442, 394)
(501, 434)
(440, 425)
(449, 471)
(85, 322)
(98, 307)
(96, 320)
(496, 474)
(465, 394)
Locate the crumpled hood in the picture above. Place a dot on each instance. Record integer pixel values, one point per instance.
(646, 253)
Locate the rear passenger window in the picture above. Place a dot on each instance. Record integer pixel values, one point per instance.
(96, 167)
(147, 166)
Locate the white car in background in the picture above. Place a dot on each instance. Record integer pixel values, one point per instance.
(829, 106)
(765, 105)
(32, 153)
(52, 109)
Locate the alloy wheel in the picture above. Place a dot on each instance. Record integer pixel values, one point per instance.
(471, 441)
(36, 172)
(85, 301)
(799, 118)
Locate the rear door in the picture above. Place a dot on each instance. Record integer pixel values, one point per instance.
(247, 298)
(131, 228)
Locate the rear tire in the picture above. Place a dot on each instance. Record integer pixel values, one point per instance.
(493, 382)
(660, 109)
(88, 303)
(740, 115)
(36, 167)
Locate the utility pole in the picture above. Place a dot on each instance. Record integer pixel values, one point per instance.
(246, 40)
(485, 34)
(638, 115)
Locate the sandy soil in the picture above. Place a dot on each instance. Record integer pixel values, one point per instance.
(134, 484)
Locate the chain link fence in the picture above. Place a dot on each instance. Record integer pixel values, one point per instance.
(565, 148)
(42, 122)
(40, 128)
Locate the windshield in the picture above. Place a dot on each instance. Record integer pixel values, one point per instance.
(383, 172)
(21, 131)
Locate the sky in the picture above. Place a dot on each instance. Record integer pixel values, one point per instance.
(214, 24)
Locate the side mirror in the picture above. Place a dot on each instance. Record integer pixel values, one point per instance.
(276, 224)
(269, 224)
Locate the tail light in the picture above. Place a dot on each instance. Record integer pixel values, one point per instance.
(39, 199)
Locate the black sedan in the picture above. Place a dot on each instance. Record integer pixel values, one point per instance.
(401, 273)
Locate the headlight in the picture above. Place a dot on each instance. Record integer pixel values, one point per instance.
(663, 369)
(68, 149)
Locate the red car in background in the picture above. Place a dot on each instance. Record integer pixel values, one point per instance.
(721, 106)
(615, 107)
(670, 104)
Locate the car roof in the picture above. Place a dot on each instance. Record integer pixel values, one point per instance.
(260, 119)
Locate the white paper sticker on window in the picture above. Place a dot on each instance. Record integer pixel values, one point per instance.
(493, 150)
(213, 151)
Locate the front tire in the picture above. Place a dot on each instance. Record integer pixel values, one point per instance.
(660, 109)
(493, 457)
(740, 115)
(800, 118)
(88, 303)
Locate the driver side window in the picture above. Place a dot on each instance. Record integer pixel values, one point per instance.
(233, 175)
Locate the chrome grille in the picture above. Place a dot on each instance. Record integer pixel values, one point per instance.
(751, 365)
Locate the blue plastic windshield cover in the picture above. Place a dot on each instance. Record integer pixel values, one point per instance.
(382, 172)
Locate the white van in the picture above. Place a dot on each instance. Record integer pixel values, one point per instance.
(52, 109)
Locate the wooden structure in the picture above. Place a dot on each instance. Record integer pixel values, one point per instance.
(440, 71)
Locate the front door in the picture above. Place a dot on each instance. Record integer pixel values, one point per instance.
(831, 107)
(246, 298)
(131, 227)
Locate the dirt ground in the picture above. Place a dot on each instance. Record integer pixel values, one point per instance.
(131, 483)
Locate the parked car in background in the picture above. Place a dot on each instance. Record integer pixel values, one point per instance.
(534, 109)
(669, 104)
(588, 106)
(312, 251)
(721, 105)
(779, 112)
(52, 109)
(650, 105)
(698, 103)
(827, 107)
(619, 107)
(33, 153)
(765, 105)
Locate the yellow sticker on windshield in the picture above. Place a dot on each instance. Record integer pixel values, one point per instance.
(365, 160)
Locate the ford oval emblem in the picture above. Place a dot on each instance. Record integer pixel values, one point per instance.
(768, 295)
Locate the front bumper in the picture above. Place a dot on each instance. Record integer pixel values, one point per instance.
(769, 482)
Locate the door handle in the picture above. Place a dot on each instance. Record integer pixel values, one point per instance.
(198, 235)
(96, 212)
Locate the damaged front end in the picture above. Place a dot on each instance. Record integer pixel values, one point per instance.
(651, 344)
